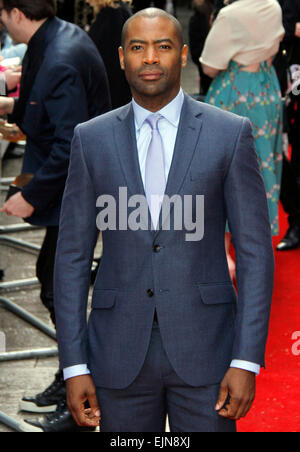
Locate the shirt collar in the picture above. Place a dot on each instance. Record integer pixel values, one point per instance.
(171, 111)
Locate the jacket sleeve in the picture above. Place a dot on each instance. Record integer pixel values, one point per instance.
(248, 217)
(65, 102)
(75, 249)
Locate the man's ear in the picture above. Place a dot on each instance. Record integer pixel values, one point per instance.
(17, 15)
(121, 57)
(184, 55)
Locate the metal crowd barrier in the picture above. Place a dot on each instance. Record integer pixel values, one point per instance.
(18, 311)
(24, 246)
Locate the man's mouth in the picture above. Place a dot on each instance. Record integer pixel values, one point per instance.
(151, 75)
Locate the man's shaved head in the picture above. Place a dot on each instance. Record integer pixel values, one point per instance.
(153, 13)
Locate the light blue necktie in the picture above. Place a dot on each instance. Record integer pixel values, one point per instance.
(155, 179)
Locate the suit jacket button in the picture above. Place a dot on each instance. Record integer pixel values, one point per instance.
(156, 248)
(150, 293)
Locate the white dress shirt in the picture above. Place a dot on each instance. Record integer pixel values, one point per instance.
(168, 127)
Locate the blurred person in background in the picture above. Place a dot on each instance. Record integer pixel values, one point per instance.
(199, 26)
(106, 31)
(138, 5)
(63, 83)
(75, 11)
(168, 5)
(8, 48)
(219, 4)
(66, 10)
(289, 57)
(10, 74)
(238, 56)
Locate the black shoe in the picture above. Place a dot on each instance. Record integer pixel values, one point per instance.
(291, 239)
(46, 401)
(61, 421)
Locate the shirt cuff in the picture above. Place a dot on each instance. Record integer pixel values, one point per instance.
(75, 371)
(246, 365)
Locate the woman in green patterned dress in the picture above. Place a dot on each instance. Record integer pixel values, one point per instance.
(238, 55)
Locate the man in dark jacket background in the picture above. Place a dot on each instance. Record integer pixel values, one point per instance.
(64, 83)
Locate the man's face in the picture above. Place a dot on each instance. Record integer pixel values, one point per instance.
(153, 57)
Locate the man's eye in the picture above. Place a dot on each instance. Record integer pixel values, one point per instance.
(136, 47)
(165, 47)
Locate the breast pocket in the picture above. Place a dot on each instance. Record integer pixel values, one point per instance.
(217, 293)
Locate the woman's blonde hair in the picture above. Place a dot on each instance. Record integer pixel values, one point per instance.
(100, 4)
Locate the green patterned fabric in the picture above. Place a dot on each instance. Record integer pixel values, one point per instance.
(258, 97)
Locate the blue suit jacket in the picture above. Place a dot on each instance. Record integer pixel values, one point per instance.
(203, 324)
(70, 87)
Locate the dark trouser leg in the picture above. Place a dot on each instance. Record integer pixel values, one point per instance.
(192, 409)
(141, 406)
(45, 269)
(156, 392)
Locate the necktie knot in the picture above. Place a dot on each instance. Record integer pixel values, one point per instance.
(152, 120)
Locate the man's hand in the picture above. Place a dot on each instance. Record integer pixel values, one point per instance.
(239, 385)
(6, 105)
(18, 207)
(12, 79)
(79, 390)
(11, 132)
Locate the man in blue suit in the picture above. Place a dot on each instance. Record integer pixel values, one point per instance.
(167, 334)
(63, 83)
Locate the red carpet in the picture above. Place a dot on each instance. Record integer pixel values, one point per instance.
(277, 404)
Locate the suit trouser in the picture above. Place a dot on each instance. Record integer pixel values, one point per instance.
(156, 393)
(45, 269)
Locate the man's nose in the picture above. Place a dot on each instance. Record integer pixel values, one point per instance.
(151, 56)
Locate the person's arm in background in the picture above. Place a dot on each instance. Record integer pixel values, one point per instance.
(6, 105)
(65, 90)
(213, 61)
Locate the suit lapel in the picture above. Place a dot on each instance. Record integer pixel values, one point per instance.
(126, 145)
(187, 138)
(127, 148)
